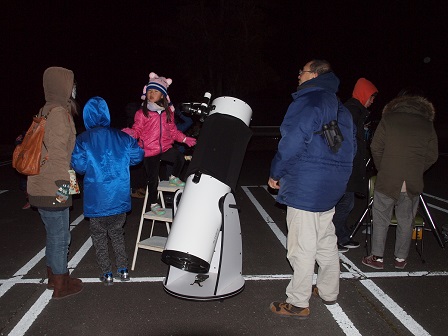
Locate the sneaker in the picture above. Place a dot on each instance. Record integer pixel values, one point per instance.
(400, 263)
(175, 181)
(107, 278)
(351, 244)
(123, 274)
(342, 249)
(285, 309)
(26, 206)
(315, 292)
(157, 210)
(373, 261)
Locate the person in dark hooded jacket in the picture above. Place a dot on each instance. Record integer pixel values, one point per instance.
(363, 95)
(312, 178)
(104, 154)
(404, 146)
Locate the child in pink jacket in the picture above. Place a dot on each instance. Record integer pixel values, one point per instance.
(155, 128)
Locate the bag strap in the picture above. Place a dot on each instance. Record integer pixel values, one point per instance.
(40, 113)
(45, 117)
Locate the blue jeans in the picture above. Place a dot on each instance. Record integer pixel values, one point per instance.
(58, 238)
(342, 211)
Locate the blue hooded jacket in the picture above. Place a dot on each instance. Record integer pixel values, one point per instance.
(103, 155)
(311, 176)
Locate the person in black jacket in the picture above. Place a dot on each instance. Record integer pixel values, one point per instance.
(363, 96)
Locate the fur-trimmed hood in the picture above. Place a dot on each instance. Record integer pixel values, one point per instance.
(413, 105)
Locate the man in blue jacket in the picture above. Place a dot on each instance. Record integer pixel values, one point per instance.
(104, 154)
(312, 177)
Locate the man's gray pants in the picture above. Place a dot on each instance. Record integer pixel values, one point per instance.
(405, 211)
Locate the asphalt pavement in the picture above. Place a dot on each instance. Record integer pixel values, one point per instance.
(412, 301)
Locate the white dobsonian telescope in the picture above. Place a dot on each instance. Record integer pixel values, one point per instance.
(204, 247)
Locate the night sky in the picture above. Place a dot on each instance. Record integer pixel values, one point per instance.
(248, 49)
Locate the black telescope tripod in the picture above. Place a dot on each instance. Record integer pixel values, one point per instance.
(423, 210)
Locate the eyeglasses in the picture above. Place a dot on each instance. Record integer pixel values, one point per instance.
(302, 71)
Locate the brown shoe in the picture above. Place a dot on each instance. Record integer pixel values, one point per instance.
(63, 287)
(285, 309)
(326, 302)
(50, 284)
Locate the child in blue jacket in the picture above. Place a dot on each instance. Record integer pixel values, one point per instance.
(104, 154)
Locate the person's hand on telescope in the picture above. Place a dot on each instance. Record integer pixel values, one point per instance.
(189, 141)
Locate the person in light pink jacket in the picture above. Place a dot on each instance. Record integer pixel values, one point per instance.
(155, 128)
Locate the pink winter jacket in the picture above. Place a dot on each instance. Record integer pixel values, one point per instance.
(155, 134)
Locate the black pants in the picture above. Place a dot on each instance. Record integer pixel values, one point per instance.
(152, 166)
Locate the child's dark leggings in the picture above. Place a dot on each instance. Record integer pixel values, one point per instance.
(152, 165)
(100, 229)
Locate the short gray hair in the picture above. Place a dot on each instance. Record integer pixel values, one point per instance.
(320, 66)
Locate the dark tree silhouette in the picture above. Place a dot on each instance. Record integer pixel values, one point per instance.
(219, 46)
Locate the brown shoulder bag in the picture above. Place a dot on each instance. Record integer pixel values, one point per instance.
(26, 158)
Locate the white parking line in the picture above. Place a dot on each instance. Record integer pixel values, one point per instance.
(395, 309)
(80, 254)
(340, 317)
(436, 197)
(338, 314)
(265, 187)
(274, 227)
(253, 277)
(30, 264)
(436, 207)
(30, 316)
(342, 320)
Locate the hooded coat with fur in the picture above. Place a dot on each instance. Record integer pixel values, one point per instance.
(404, 146)
(59, 140)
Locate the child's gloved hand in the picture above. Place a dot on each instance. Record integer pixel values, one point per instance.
(190, 141)
(62, 193)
